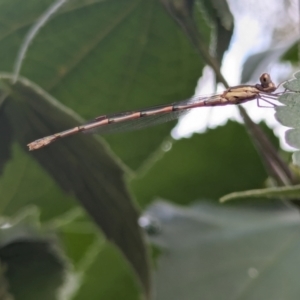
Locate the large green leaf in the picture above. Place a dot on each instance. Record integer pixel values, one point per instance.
(216, 252)
(91, 54)
(207, 165)
(82, 167)
(99, 57)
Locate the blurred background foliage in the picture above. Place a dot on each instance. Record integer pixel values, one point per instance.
(135, 215)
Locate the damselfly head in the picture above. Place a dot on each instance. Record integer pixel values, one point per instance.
(266, 83)
(265, 79)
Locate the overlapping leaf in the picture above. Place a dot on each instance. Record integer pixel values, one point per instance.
(207, 165)
(32, 262)
(100, 57)
(240, 253)
(222, 19)
(288, 115)
(81, 166)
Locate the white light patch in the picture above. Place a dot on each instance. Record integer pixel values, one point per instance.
(253, 273)
(6, 225)
(166, 146)
(253, 33)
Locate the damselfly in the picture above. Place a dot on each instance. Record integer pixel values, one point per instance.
(132, 120)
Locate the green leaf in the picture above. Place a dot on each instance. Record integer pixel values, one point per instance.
(107, 277)
(98, 266)
(33, 263)
(222, 20)
(25, 183)
(292, 54)
(192, 22)
(293, 84)
(288, 115)
(207, 165)
(211, 250)
(100, 57)
(91, 54)
(34, 271)
(288, 192)
(4, 289)
(81, 166)
(78, 237)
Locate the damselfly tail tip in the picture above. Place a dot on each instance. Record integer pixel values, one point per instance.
(35, 145)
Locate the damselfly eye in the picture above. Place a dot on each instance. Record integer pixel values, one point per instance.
(265, 79)
(266, 83)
